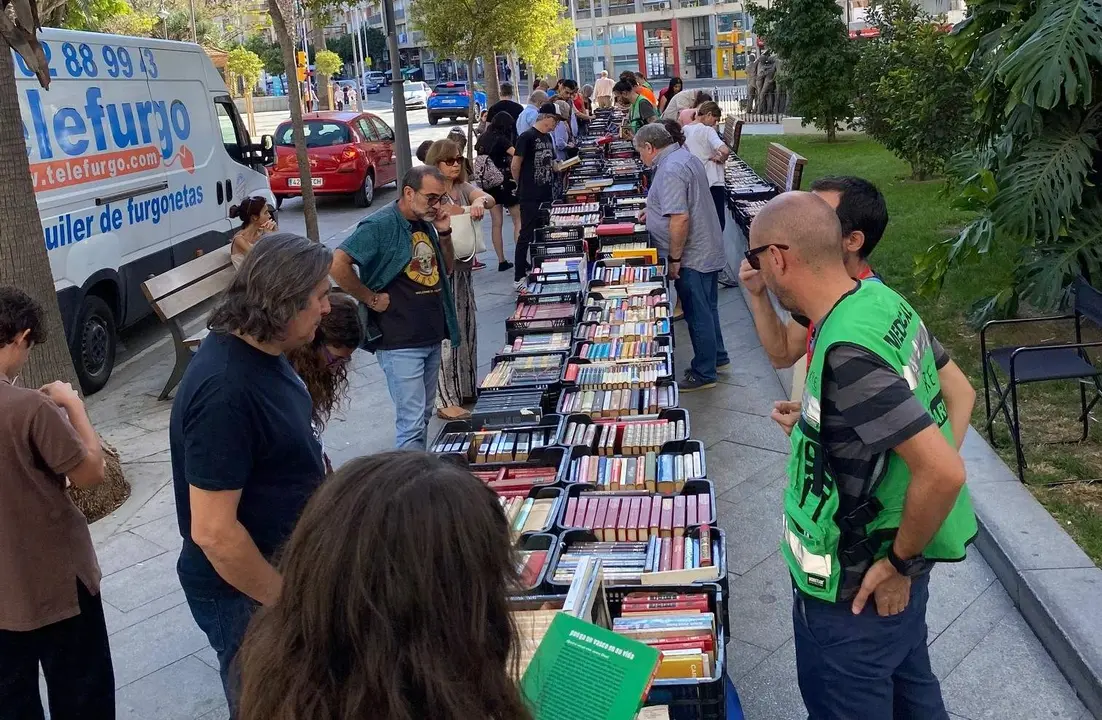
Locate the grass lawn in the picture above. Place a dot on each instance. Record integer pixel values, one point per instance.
(920, 216)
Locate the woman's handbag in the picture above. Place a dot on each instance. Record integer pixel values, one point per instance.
(466, 236)
(487, 173)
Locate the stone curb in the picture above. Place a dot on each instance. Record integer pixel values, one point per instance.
(1056, 587)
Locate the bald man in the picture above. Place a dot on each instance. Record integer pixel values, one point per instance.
(876, 490)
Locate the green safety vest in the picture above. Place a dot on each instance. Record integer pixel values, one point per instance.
(635, 118)
(819, 543)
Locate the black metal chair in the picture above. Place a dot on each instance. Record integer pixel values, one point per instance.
(1025, 364)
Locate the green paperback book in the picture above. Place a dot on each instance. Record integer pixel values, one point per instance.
(581, 671)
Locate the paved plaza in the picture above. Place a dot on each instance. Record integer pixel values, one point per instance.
(990, 663)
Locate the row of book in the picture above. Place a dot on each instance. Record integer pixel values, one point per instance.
(657, 560)
(524, 370)
(665, 472)
(604, 331)
(637, 516)
(619, 349)
(618, 374)
(495, 446)
(526, 515)
(627, 438)
(617, 403)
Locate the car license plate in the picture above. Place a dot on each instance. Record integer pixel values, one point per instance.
(297, 182)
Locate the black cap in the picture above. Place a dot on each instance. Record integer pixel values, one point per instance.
(550, 108)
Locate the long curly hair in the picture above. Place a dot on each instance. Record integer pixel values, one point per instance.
(394, 602)
(328, 383)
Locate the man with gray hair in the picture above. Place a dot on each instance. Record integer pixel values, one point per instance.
(602, 90)
(681, 218)
(245, 456)
(404, 256)
(531, 111)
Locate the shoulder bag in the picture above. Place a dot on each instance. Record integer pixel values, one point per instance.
(467, 238)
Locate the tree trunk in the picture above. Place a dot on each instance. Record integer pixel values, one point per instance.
(23, 259)
(294, 102)
(493, 82)
(24, 262)
(317, 37)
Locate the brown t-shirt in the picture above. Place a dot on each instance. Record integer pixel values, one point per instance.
(45, 546)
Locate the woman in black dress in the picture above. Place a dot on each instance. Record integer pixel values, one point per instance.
(497, 145)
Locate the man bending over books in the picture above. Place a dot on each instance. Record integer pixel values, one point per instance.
(876, 488)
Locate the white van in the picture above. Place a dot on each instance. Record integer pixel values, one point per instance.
(136, 153)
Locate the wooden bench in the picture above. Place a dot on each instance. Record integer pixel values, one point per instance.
(173, 293)
(784, 168)
(732, 133)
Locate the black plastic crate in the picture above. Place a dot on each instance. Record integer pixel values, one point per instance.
(551, 422)
(596, 313)
(663, 343)
(521, 383)
(689, 699)
(670, 447)
(665, 376)
(558, 234)
(495, 409)
(605, 272)
(591, 330)
(559, 284)
(562, 405)
(555, 494)
(554, 457)
(561, 321)
(552, 250)
(672, 414)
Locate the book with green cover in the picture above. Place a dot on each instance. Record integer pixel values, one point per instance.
(581, 671)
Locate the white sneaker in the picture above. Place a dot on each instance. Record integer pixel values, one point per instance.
(519, 285)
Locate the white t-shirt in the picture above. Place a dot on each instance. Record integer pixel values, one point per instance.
(702, 141)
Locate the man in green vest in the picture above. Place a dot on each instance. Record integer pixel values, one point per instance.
(875, 488)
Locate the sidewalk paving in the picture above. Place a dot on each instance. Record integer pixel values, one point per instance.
(990, 663)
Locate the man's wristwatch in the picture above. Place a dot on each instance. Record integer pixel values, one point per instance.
(906, 568)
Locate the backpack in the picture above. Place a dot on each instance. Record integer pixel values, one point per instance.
(486, 174)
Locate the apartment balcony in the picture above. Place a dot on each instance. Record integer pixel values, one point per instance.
(657, 5)
(694, 3)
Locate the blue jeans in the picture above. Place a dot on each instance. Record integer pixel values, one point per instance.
(699, 294)
(866, 666)
(411, 378)
(224, 617)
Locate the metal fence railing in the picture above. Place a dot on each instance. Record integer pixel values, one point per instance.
(750, 107)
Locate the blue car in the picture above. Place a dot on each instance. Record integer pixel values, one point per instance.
(370, 84)
(453, 100)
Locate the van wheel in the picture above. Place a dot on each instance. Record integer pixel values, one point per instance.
(93, 347)
(366, 194)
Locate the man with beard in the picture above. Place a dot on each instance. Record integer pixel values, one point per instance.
(404, 256)
(875, 490)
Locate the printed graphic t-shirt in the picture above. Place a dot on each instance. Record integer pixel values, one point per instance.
(537, 153)
(415, 317)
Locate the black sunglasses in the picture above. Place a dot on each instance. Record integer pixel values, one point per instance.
(754, 256)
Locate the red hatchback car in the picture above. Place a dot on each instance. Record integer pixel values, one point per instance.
(350, 154)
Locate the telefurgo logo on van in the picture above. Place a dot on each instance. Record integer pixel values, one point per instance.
(76, 145)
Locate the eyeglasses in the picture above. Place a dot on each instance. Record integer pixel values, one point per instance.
(754, 256)
(430, 199)
(452, 161)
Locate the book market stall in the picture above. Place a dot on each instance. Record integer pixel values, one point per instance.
(579, 431)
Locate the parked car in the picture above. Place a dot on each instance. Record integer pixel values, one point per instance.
(453, 100)
(371, 85)
(380, 77)
(350, 154)
(417, 94)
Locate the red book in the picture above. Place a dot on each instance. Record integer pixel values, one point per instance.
(705, 546)
(703, 508)
(634, 531)
(667, 517)
(646, 597)
(599, 518)
(571, 508)
(571, 372)
(612, 514)
(706, 642)
(679, 552)
(666, 558)
(691, 512)
(622, 520)
(590, 514)
(671, 606)
(679, 516)
(532, 567)
(655, 514)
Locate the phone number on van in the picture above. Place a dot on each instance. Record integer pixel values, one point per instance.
(79, 60)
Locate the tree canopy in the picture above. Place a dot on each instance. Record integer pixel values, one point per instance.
(817, 58)
(328, 62)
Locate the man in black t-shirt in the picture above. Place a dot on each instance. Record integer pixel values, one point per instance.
(533, 169)
(506, 105)
(404, 254)
(245, 458)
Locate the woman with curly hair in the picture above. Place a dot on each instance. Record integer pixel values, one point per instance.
(362, 629)
(323, 364)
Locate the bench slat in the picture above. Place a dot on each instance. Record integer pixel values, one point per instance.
(194, 294)
(778, 161)
(190, 272)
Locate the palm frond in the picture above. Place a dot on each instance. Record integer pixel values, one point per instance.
(1056, 264)
(1041, 185)
(1053, 54)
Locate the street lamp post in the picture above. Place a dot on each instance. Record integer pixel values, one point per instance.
(397, 96)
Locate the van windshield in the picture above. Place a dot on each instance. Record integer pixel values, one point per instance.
(319, 133)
